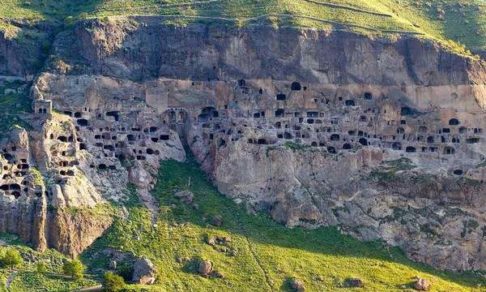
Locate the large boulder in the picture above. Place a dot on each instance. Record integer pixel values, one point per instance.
(205, 268)
(185, 196)
(421, 284)
(297, 285)
(144, 272)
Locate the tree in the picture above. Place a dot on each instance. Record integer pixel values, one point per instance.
(11, 258)
(74, 268)
(113, 282)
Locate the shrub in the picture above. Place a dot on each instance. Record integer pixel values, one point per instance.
(113, 282)
(74, 268)
(11, 258)
(41, 267)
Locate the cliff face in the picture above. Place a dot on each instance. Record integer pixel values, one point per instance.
(382, 138)
(142, 49)
(24, 48)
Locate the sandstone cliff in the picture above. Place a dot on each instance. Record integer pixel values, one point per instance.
(381, 137)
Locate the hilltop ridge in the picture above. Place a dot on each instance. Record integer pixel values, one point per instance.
(460, 25)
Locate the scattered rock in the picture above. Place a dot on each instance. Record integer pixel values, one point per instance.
(144, 272)
(185, 196)
(223, 239)
(421, 284)
(211, 241)
(217, 274)
(205, 268)
(182, 260)
(297, 285)
(217, 221)
(353, 283)
(113, 265)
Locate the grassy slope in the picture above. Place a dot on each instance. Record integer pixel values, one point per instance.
(463, 21)
(267, 253)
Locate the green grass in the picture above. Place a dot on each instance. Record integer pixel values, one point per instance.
(26, 276)
(454, 23)
(262, 254)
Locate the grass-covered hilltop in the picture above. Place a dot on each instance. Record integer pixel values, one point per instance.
(461, 25)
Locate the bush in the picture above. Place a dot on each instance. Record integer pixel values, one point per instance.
(41, 267)
(74, 268)
(11, 258)
(113, 282)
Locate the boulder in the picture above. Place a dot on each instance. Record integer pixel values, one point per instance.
(185, 196)
(205, 268)
(354, 283)
(217, 221)
(211, 241)
(144, 272)
(421, 284)
(297, 285)
(217, 274)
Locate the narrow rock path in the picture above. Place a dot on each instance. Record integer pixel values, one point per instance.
(150, 203)
(254, 254)
(10, 279)
(259, 264)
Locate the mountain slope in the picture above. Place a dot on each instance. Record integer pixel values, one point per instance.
(261, 255)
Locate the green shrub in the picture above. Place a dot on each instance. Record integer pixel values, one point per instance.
(11, 258)
(74, 268)
(113, 282)
(41, 267)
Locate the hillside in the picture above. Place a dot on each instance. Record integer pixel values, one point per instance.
(260, 254)
(454, 23)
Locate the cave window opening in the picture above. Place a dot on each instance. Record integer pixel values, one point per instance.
(349, 102)
(296, 86)
(363, 141)
(410, 149)
(82, 122)
(454, 122)
(449, 150)
(397, 146)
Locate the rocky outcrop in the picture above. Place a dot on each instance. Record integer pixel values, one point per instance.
(71, 231)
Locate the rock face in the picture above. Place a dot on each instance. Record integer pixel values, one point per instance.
(382, 138)
(23, 48)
